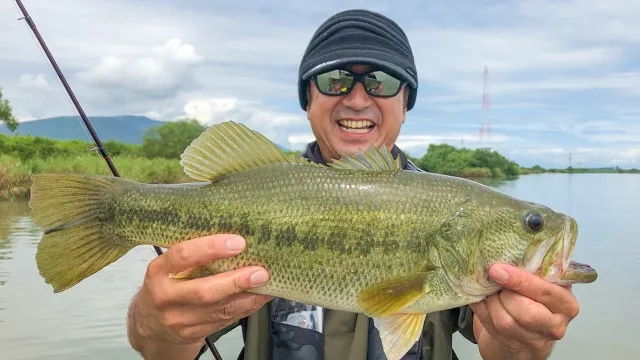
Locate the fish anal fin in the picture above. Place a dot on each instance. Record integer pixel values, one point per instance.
(372, 159)
(399, 332)
(393, 295)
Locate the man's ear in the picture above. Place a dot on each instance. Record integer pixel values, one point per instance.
(308, 98)
(406, 91)
(405, 96)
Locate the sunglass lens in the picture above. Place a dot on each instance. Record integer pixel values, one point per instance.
(334, 82)
(338, 82)
(382, 84)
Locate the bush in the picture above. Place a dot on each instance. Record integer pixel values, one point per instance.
(448, 160)
(170, 139)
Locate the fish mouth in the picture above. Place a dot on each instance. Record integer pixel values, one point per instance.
(551, 258)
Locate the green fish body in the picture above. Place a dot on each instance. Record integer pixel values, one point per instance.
(360, 235)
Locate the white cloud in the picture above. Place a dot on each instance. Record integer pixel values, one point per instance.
(419, 143)
(563, 75)
(162, 69)
(299, 141)
(268, 122)
(34, 82)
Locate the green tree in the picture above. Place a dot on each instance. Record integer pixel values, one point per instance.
(170, 139)
(538, 168)
(446, 159)
(6, 114)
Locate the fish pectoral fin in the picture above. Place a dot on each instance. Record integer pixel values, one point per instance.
(193, 273)
(391, 296)
(399, 332)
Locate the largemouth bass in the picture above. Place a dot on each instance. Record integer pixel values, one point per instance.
(359, 235)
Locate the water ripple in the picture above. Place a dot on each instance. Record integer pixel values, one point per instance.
(89, 320)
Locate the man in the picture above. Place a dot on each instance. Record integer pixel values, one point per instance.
(371, 56)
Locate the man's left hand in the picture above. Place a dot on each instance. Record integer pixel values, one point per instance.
(529, 312)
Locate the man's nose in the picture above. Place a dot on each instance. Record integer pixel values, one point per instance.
(358, 98)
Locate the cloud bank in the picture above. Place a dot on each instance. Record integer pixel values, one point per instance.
(564, 77)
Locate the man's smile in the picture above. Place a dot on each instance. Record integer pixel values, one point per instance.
(356, 126)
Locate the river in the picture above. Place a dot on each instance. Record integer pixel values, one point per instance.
(88, 321)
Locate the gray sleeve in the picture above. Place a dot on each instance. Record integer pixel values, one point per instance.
(465, 323)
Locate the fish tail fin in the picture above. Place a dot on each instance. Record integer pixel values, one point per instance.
(74, 245)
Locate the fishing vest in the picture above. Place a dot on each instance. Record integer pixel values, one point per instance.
(287, 330)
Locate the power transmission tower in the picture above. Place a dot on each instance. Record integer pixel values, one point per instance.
(485, 126)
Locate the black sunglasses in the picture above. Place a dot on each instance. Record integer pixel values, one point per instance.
(340, 82)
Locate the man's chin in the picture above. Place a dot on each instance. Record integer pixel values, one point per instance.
(350, 141)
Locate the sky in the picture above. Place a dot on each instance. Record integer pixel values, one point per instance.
(564, 76)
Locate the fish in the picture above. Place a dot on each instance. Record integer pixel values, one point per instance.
(359, 234)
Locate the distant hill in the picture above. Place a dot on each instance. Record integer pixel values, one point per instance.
(126, 128)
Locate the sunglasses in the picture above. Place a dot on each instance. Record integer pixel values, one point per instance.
(341, 82)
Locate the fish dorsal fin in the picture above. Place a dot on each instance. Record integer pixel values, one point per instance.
(230, 147)
(373, 159)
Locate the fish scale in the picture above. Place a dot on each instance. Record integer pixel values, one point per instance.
(360, 235)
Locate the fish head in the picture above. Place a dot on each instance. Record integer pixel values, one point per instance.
(535, 238)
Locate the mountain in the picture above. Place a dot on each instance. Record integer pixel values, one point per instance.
(125, 128)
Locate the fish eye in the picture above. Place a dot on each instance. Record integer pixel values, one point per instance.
(534, 221)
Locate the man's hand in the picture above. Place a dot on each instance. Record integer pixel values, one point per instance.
(168, 314)
(528, 314)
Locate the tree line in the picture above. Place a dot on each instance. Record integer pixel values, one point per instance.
(169, 140)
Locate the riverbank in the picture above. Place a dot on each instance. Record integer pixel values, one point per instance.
(156, 159)
(15, 173)
(15, 181)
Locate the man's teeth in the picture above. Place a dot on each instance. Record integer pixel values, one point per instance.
(356, 126)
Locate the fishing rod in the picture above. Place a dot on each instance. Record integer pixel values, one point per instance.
(87, 123)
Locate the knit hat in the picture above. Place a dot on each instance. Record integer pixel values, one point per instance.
(359, 36)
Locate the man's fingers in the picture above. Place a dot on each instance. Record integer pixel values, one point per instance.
(481, 311)
(212, 289)
(188, 254)
(528, 313)
(224, 312)
(482, 314)
(506, 325)
(237, 306)
(553, 296)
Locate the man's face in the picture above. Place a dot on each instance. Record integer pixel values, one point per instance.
(342, 124)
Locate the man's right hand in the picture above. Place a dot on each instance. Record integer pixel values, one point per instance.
(169, 315)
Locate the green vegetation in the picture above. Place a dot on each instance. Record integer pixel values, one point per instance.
(537, 169)
(462, 162)
(156, 160)
(6, 114)
(169, 140)
(15, 172)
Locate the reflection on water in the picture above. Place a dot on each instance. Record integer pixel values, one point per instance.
(89, 320)
(85, 322)
(13, 219)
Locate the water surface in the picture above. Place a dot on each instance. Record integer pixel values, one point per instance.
(89, 320)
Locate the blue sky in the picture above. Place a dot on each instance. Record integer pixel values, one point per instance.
(564, 75)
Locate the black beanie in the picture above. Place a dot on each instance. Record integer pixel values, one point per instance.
(359, 36)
